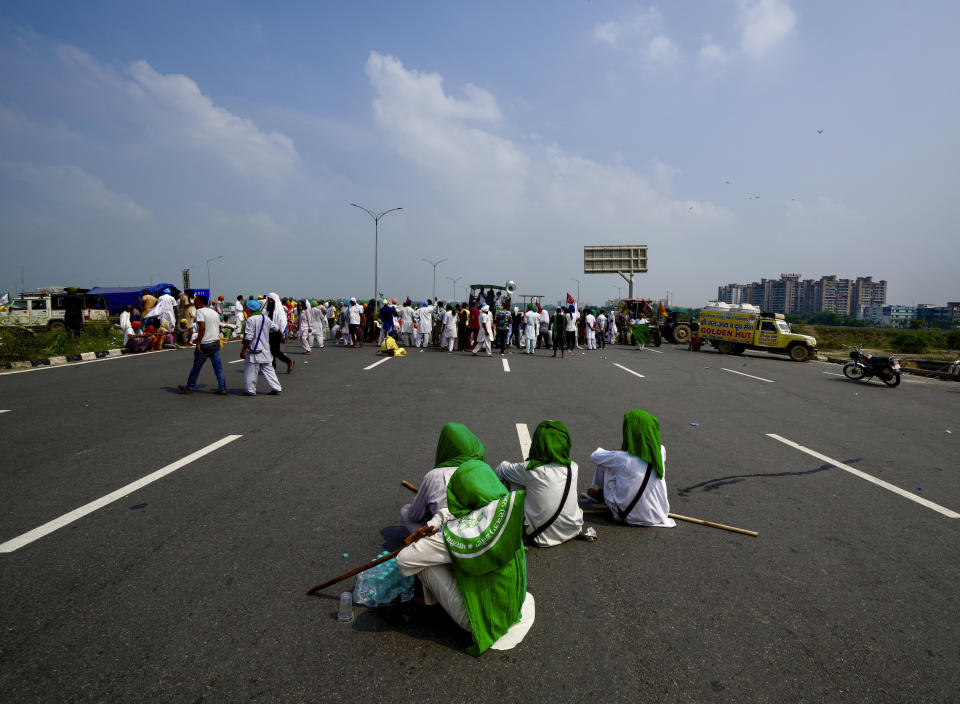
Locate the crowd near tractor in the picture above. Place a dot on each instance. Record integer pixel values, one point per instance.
(665, 324)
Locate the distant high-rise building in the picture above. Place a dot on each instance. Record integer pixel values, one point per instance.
(790, 294)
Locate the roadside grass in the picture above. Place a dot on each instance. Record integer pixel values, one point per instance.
(22, 344)
(932, 343)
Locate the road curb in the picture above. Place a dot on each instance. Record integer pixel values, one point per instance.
(60, 360)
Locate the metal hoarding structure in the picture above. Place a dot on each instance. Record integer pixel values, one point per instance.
(623, 259)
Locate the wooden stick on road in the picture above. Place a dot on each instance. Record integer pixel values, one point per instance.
(699, 521)
(676, 516)
(356, 570)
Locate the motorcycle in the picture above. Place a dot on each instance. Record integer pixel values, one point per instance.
(864, 366)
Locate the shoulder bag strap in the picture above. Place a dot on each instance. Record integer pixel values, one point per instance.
(646, 478)
(563, 501)
(256, 343)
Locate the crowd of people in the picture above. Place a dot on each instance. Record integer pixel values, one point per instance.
(266, 322)
(469, 521)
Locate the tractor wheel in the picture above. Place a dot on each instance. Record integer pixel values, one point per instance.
(681, 334)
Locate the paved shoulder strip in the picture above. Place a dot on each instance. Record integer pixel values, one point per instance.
(629, 370)
(870, 478)
(760, 378)
(78, 513)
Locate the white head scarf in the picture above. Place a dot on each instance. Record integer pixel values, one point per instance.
(485, 308)
(279, 316)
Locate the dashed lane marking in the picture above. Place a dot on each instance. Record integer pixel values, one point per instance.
(235, 361)
(523, 435)
(385, 359)
(769, 381)
(506, 364)
(76, 514)
(629, 370)
(870, 478)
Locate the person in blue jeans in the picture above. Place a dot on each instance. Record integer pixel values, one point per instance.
(208, 347)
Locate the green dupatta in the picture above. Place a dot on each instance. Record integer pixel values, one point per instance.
(485, 542)
(641, 438)
(550, 445)
(457, 445)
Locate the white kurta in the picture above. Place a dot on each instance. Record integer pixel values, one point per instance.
(620, 475)
(257, 358)
(544, 489)
(531, 325)
(164, 308)
(428, 559)
(429, 500)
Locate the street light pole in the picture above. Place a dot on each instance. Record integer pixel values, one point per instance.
(578, 291)
(618, 290)
(376, 243)
(454, 280)
(209, 286)
(434, 272)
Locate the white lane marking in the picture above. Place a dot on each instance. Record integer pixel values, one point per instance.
(506, 364)
(523, 435)
(833, 374)
(77, 364)
(870, 478)
(629, 370)
(234, 361)
(647, 349)
(5, 411)
(385, 359)
(68, 518)
(769, 381)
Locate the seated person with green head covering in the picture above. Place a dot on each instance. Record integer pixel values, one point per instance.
(631, 480)
(475, 566)
(549, 477)
(455, 446)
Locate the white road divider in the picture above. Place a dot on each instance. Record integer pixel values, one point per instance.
(76, 514)
(870, 478)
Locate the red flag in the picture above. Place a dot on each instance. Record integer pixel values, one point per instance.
(537, 301)
(570, 299)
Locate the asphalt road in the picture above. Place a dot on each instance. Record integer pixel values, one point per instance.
(191, 588)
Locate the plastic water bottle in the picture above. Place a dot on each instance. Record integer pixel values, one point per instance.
(345, 614)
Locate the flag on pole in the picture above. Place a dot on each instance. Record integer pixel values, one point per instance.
(570, 299)
(661, 311)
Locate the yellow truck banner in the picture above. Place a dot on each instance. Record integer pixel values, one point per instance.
(736, 327)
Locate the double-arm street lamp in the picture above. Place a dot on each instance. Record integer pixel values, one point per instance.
(434, 264)
(376, 243)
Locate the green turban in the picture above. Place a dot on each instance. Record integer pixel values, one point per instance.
(641, 438)
(550, 445)
(457, 445)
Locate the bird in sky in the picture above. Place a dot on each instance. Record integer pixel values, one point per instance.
(819, 131)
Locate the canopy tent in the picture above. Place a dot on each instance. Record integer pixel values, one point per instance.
(119, 296)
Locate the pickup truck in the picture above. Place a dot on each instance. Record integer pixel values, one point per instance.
(47, 310)
(734, 329)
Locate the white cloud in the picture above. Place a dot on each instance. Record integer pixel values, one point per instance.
(496, 177)
(640, 34)
(662, 50)
(73, 186)
(712, 54)
(433, 129)
(183, 114)
(664, 174)
(764, 25)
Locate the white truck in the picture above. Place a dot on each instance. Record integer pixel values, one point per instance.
(46, 309)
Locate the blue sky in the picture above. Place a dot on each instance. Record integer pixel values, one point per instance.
(137, 139)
